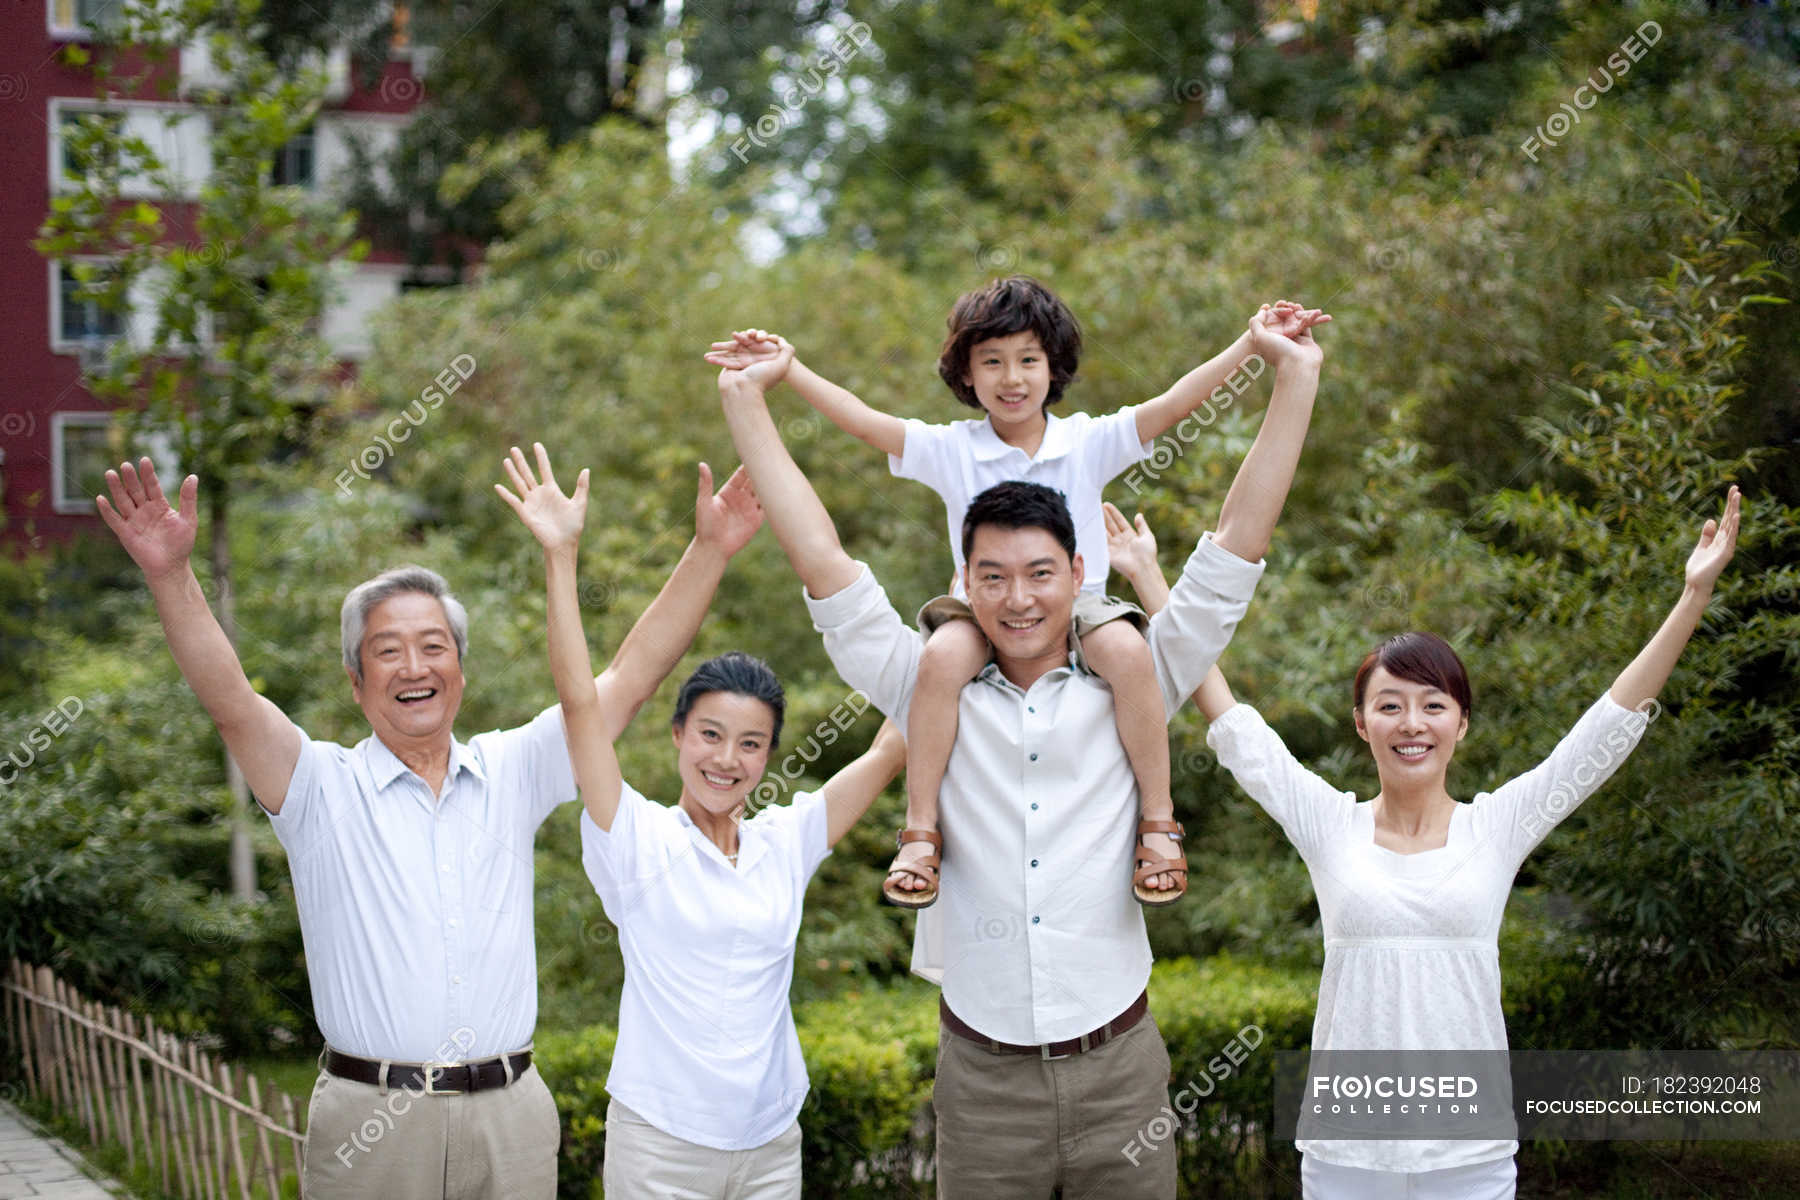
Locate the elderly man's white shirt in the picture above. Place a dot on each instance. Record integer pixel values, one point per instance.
(416, 910)
(1035, 936)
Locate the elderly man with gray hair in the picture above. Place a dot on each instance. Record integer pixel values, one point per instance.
(412, 853)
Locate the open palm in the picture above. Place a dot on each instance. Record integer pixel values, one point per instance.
(553, 518)
(159, 538)
(1718, 541)
(728, 519)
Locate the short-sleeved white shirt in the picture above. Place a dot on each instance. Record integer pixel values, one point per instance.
(1078, 457)
(707, 1049)
(415, 910)
(1412, 959)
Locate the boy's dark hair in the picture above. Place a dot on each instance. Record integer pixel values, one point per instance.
(1018, 505)
(739, 674)
(1001, 309)
(1417, 658)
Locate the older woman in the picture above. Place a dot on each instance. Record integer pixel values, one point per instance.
(1411, 885)
(707, 1078)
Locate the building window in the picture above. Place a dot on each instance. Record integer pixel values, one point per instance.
(293, 165)
(83, 16)
(82, 318)
(81, 162)
(82, 447)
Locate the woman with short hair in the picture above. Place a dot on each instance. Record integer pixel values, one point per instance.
(1412, 885)
(707, 1078)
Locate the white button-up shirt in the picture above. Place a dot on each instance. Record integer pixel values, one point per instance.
(1035, 936)
(1078, 457)
(416, 911)
(707, 1049)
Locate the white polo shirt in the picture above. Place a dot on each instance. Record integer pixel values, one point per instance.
(707, 1050)
(1035, 936)
(415, 910)
(1078, 457)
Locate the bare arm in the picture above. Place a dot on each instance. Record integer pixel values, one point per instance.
(1132, 549)
(556, 521)
(849, 793)
(842, 407)
(1259, 490)
(160, 540)
(799, 519)
(1643, 679)
(723, 524)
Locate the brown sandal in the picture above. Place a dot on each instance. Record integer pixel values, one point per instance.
(924, 897)
(1155, 864)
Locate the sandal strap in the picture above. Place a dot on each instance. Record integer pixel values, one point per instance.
(920, 835)
(1172, 828)
(917, 868)
(1152, 864)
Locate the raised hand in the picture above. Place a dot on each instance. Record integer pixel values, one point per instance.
(1131, 548)
(1269, 339)
(728, 519)
(760, 356)
(1291, 320)
(553, 518)
(159, 539)
(1718, 541)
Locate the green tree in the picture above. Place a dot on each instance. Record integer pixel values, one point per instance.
(1686, 871)
(239, 276)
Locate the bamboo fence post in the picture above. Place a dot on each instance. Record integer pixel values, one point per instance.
(111, 1060)
(265, 1154)
(165, 1117)
(137, 1086)
(207, 1114)
(186, 1144)
(48, 1040)
(234, 1135)
(95, 1067)
(293, 1122)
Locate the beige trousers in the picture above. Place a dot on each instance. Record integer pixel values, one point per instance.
(364, 1141)
(644, 1163)
(1015, 1127)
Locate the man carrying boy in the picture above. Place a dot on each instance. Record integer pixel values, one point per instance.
(1047, 1063)
(1011, 350)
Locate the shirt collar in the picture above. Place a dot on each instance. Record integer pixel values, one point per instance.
(750, 847)
(987, 446)
(385, 766)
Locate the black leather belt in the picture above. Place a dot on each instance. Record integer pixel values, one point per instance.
(1049, 1050)
(431, 1079)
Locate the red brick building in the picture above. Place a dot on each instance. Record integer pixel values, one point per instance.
(55, 439)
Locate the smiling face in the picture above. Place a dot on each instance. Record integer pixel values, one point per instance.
(412, 680)
(1412, 729)
(722, 749)
(1011, 379)
(1022, 586)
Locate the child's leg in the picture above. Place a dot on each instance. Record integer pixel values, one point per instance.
(954, 654)
(1118, 653)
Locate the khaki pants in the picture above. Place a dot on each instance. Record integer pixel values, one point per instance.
(644, 1163)
(392, 1144)
(1013, 1126)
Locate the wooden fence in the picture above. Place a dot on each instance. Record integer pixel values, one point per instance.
(205, 1129)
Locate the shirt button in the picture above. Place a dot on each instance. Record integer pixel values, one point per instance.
(444, 867)
(454, 922)
(1034, 862)
(1034, 920)
(1030, 709)
(1034, 758)
(1034, 806)
(458, 978)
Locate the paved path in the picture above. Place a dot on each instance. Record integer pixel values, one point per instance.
(35, 1164)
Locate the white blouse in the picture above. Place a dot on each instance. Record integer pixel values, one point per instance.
(707, 1049)
(1412, 959)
